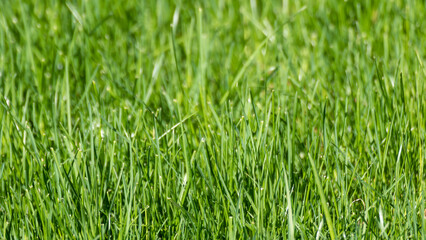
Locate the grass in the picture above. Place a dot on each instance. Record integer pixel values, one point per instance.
(212, 119)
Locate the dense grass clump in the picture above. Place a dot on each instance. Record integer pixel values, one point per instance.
(212, 119)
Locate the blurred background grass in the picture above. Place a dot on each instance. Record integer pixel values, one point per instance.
(181, 119)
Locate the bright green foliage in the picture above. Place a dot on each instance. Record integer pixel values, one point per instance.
(212, 119)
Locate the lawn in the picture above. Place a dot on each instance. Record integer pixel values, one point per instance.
(212, 119)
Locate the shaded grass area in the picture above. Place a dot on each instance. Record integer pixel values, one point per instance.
(212, 119)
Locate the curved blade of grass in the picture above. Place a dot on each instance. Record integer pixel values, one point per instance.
(323, 199)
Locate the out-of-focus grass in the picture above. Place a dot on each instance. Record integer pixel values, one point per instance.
(212, 119)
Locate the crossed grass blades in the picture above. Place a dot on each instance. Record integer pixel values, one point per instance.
(212, 119)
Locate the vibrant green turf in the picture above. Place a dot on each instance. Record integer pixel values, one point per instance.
(212, 119)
